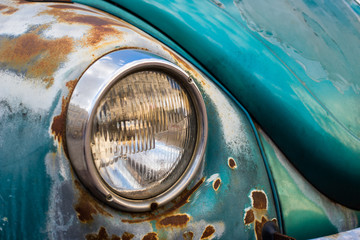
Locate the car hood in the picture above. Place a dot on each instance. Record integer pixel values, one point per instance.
(292, 64)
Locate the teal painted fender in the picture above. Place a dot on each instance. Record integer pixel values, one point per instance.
(292, 64)
(45, 48)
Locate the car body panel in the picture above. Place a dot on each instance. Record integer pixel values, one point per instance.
(45, 48)
(306, 212)
(274, 87)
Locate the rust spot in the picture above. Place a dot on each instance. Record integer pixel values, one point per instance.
(258, 228)
(178, 220)
(86, 206)
(188, 235)
(216, 184)
(249, 217)
(35, 56)
(59, 122)
(259, 199)
(102, 27)
(177, 203)
(150, 236)
(232, 163)
(127, 236)
(101, 235)
(208, 232)
(67, 6)
(153, 206)
(10, 10)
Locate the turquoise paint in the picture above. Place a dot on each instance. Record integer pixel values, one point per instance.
(306, 212)
(270, 79)
(24, 189)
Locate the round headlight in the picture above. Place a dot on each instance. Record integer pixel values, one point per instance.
(136, 129)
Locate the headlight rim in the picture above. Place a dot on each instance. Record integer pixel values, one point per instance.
(82, 161)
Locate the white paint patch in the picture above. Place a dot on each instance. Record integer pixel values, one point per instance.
(18, 23)
(230, 119)
(212, 178)
(15, 90)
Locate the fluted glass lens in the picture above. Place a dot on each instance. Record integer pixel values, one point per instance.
(143, 134)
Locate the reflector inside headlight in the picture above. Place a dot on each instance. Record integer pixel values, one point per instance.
(143, 134)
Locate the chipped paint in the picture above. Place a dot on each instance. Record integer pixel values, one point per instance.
(216, 184)
(39, 58)
(178, 220)
(58, 125)
(188, 235)
(87, 206)
(178, 202)
(208, 232)
(150, 236)
(101, 235)
(127, 236)
(232, 163)
(259, 199)
(257, 214)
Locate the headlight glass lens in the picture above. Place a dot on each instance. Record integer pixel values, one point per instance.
(143, 134)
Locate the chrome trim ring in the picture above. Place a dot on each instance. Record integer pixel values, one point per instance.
(90, 89)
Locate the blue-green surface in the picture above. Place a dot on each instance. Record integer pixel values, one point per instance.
(292, 64)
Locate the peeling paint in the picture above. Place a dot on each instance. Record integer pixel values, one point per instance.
(188, 235)
(178, 220)
(216, 184)
(256, 215)
(231, 163)
(87, 206)
(36, 56)
(208, 232)
(259, 199)
(178, 202)
(101, 235)
(150, 236)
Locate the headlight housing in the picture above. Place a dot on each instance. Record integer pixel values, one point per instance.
(136, 129)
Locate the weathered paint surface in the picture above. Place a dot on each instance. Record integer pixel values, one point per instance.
(306, 212)
(292, 64)
(45, 47)
(353, 234)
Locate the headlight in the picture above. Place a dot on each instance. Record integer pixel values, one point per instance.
(136, 129)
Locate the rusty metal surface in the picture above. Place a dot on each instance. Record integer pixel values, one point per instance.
(44, 49)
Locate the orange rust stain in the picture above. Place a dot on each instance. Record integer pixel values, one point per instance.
(101, 235)
(86, 206)
(188, 235)
(150, 236)
(259, 199)
(258, 227)
(59, 122)
(208, 232)
(216, 184)
(249, 217)
(10, 10)
(232, 163)
(127, 236)
(36, 56)
(68, 6)
(177, 203)
(101, 27)
(179, 220)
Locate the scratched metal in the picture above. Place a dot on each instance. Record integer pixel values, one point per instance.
(44, 49)
(306, 212)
